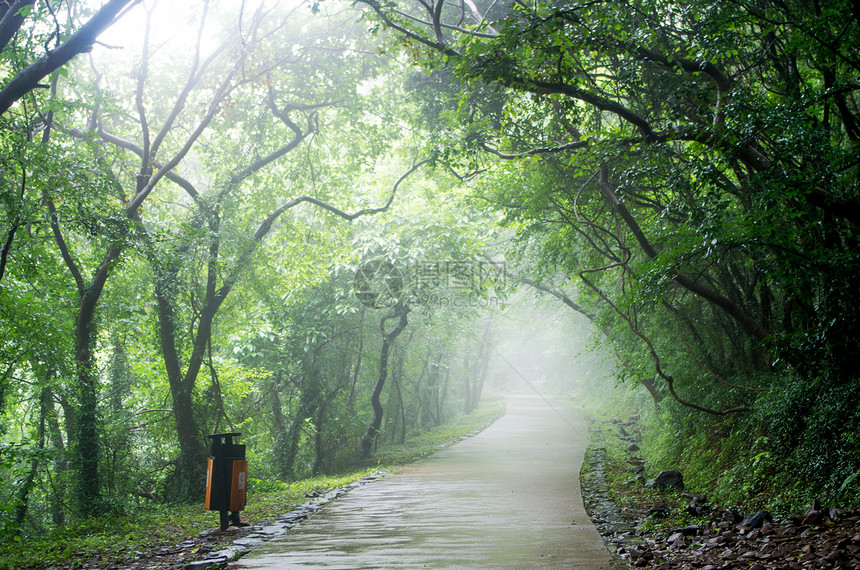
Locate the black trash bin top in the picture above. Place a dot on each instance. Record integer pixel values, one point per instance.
(224, 436)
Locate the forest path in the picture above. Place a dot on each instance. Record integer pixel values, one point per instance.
(507, 498)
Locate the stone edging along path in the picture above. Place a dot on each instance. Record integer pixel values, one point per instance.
(253, 536)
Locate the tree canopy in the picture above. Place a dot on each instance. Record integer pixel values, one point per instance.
(692, 170)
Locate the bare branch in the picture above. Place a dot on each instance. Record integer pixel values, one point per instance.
(442, 47)
(446, 26)
(128, 145)
(267, 223)
(670, 381)
(692, 285)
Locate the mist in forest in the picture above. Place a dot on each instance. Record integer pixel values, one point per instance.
(540, 347)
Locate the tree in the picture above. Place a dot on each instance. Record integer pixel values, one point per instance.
(243, 129)
(400, 313)
(14, 14)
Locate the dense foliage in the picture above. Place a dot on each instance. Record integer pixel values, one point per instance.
(185, 211)
(691, 169)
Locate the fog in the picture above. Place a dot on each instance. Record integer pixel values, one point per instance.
(539, 346)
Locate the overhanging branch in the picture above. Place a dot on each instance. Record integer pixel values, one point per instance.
(79, 42)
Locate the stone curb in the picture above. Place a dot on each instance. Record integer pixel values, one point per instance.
(259, 534)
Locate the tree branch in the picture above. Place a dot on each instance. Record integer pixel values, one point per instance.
(542, 150)
(11, 21)
(79, 42)
(64, 248)
(670, 381)
(688, 283)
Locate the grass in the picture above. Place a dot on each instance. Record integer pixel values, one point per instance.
(632, 499)
(118, 540)
(423, 444)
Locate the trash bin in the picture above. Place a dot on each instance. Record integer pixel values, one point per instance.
(226, 478)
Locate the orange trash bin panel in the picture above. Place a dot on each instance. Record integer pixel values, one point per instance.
(239, 486)
(209, 467)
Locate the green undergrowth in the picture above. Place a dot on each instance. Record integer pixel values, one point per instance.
(774, 458)
(423, 444)
(607, 450)
(111, 540)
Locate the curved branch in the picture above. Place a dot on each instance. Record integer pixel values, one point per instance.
(266, 225)
(692, 285)
(542, 150)
(194, 77)
(597, 101)
(446, 26)
(130, 146)
(441, 47)
(64, 248)
(214, 107)
(79, 42)
(670, 381)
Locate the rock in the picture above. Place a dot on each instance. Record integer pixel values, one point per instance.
(812, 517)
(273, 530)
(754, 535)
(658, 510)
(756, 520)
(669, 480)
(696, 498)
(632, 447)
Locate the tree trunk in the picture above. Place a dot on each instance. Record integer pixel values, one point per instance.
(311, 393)
(482, 367)
(397, 380)
(319, 450)
(61, 465)
(357, 369)
(23, 495)
(467, 383)
(186, 483)
(86, 433)
(401, 313)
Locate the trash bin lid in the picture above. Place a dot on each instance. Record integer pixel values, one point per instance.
(225, 436)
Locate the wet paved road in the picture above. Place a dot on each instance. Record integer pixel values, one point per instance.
(507, 498)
